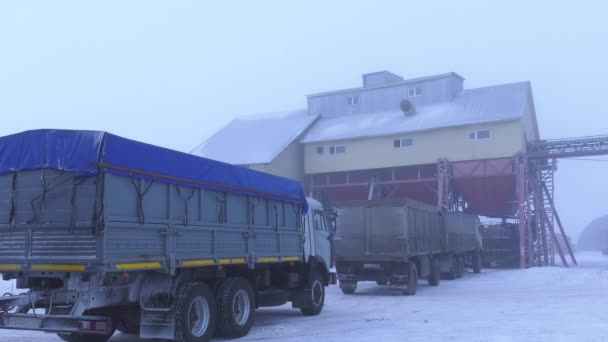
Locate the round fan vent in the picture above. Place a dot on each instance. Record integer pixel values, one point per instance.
(407, 107)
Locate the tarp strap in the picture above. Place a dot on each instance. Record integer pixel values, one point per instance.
(222, 217)
(11, 216)
(276, 214)
(46, 188)
(97, 219)
(186, 200)
(140, 197)
(254, 202)
(297, 214)
(73, 205)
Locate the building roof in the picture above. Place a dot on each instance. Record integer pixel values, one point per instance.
(480, 105)
(255, 139)
(391, 84)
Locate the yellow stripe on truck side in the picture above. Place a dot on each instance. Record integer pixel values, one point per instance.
(268, 259)
(10, 267)
(222, 261)
(290, 258)
(137, 265)
(57, 267)
(231, 261)
(199, 262)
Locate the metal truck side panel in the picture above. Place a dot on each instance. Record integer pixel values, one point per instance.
(463, 232)
(387, 229)
(138, 223)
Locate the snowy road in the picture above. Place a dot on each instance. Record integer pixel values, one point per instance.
(548, 304)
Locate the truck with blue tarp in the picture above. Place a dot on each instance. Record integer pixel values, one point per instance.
(107, 233)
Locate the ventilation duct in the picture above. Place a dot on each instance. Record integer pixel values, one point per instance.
(407, 107)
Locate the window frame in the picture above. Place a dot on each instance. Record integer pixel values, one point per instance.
(414, 91)
(334, 149)
(474, 134)
(401, 145)
(352, 100)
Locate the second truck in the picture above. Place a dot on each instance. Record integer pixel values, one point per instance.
(397, 242)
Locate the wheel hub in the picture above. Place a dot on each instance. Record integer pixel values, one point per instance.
(198, 316)
(241, 307)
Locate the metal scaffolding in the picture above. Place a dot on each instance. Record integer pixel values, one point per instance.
(536, 207)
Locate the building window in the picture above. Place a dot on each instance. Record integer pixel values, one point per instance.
(403, 142)
(337, 149)
(319, 149)
(415, 91)
(352, 100)
(479, 135)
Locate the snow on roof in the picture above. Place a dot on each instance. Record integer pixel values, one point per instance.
(255, 139)
(390, 84)
(481, 105)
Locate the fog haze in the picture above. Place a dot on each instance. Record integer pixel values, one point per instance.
(172, 73)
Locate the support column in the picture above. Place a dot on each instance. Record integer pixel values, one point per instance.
(522, 195)
(444, 193)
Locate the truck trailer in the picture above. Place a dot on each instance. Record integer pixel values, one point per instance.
(397, 242)
(104, 233)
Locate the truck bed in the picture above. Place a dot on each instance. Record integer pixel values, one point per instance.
(112, 217)
(387, 230)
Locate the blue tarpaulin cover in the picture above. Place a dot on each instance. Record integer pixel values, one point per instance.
(89, 152)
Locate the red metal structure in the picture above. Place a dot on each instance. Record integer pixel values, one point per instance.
(520, 188)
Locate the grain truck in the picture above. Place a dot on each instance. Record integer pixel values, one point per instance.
(397, 242)
(109, 233)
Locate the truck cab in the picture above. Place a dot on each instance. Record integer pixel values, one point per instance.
(318, 232)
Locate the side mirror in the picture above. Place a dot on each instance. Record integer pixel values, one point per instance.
(333, 226)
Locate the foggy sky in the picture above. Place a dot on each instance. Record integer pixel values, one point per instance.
(172, 73)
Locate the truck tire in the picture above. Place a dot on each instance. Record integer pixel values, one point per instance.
(451, 274)
(435, 275)
(235, 307)
(195, 314)
(412, 280)
(459, 267)
(348, 288)
(316, 300)
(125, 328)
(476, 262)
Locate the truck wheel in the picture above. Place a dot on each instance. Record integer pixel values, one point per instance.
(459, 267)
(316, 299)
(476, 262)
(235, 308)
(348, 288)
(194, 313)
(435, 275)
(412, 280)
(451, 274)
(125, 328)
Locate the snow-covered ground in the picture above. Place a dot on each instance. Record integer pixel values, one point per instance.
(539, 304)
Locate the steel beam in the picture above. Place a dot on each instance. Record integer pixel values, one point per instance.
(559, 224)
(522, 194)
